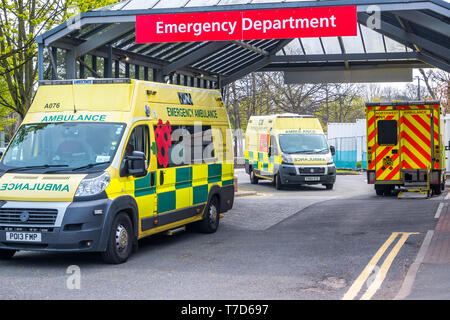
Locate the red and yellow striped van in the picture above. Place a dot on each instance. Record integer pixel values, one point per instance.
(405, 145)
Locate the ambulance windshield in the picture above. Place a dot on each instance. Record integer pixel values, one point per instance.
(67, 145)
(303, 143)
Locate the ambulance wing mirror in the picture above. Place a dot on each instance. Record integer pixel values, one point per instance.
(136, 164)
(447, 148)
(332, 150)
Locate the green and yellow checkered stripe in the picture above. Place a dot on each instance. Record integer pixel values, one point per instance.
(261, 161)
(184, 187)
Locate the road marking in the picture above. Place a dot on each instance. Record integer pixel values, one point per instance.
(438, 211)
(359, 282)
(447, 197)
(381, 275)
(408, 283)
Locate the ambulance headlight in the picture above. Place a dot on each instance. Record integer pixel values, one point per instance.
(93, 186)
(286, 159)
(330, 161)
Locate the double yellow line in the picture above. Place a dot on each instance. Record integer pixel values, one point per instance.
(382, 272)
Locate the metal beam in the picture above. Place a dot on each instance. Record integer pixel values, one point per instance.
(436, 62)
(308, 66)
(70, 65)
(427, 21)
(40, 61)
(107, 63)
(250, 47)
(78, 22)
(349, 76)
(346, 57)
(103, 38)
(194, 56)
(406, 38)
(52, 56)
(244, 71)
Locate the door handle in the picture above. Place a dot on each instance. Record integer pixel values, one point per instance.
(161, 177)
(152, 179)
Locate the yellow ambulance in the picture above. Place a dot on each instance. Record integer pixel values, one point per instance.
(406, 146)
(288, 149)
(98, 164)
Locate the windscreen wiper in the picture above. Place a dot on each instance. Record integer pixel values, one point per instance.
(44, 166)
(90, 165)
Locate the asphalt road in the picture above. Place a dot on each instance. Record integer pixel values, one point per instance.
(299, 243)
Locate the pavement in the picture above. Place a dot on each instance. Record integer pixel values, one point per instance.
(430, 278)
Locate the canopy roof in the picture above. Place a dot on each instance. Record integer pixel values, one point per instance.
(412, 34)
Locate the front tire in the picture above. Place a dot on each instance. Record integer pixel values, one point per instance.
(253, 178)
(120, 242)
(6, 254)
(329, 186)
(210, 222)
(278, 184)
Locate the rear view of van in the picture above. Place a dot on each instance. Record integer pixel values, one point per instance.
(288, 149)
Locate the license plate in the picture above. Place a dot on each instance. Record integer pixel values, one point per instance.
(312, 178)
(23, 236)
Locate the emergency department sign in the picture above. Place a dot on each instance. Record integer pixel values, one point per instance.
(247, 25)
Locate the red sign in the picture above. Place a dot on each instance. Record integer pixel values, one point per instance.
(247, 25)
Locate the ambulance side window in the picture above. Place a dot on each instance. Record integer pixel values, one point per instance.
(387, 132)
(273, 146)
(138, 141)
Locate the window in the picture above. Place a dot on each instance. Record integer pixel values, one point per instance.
(303, 143)
(189, 144)
(273, 146)
(65, 144)
(387, 132)
(138, 141)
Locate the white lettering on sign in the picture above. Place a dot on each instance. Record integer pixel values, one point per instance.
(291, 23)
(196, 28)
(247, 25)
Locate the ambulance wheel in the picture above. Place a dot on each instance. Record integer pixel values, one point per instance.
(253, 178)
(437, 189)
(278, 184)
(379, 190)
(120, 242)
(388, 191)
(210, 221)
(329, 186)
(6, 254)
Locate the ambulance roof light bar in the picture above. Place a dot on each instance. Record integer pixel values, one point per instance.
(402, 103)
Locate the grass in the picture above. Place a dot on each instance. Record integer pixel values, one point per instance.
(342, 171)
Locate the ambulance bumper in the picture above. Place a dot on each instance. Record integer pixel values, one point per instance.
(77, 228)
(291, 174)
